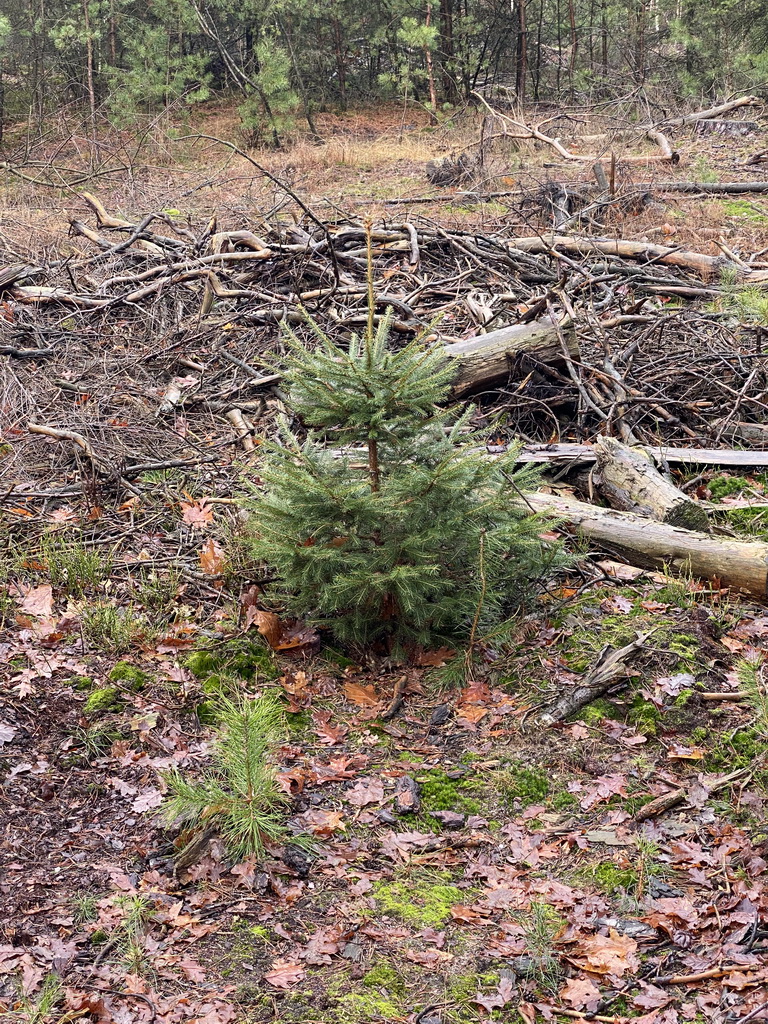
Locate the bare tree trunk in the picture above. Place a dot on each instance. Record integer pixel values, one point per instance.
(341, 69)
(112, 35)
(430, 72)
(574, 44)
(522, 52)
(447, 48)
(89, 70)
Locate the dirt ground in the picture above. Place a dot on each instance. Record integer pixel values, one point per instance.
(522, 882)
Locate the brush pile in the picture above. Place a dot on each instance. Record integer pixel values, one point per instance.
(146, 344)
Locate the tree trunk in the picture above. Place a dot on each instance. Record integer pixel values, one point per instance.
(741, 565)
(447, 50)
(630, 482)
(522, 52)
(487, 359)
(89, 73)
(430, 73)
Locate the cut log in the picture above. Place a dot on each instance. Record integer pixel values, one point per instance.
(584, 455)
(704, 265)
(740, 565)
(630, 482)
(487, 359)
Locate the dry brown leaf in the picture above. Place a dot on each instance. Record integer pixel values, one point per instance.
(267, 623)
(38, 601)
(612, 954)
(436, 658)
(285, 975)
(211, 557)
(197, 514)
(366, 791)
(363, 696)
(580, 993)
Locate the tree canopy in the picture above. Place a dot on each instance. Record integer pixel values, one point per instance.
(286, 58)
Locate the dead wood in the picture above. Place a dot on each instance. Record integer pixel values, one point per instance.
(631, 483)
(610, 664)
(717, 111)
(703, 265)
(585, 454)
(559, 333)
(712, 188)
(488, 358)
(739, 565)
(520, 130)
(675, 797)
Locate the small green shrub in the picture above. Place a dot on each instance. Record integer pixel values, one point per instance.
(412, 534)
(239, 796)
(73, 566)
(112, 629)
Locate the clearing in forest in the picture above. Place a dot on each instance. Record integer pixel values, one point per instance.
(458, 837)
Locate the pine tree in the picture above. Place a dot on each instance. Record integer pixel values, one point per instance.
(389, 521)
(240, 797)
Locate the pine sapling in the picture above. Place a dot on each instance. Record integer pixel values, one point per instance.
(239, 797)
(388, 521)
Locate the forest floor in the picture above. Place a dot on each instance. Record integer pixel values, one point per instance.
(521, 885)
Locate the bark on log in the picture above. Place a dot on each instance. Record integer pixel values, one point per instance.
(741, 565)
(584, 454)
(486, 359)
(631, 483)
(722, 108)
(704, 265)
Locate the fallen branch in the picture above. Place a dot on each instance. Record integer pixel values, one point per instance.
(667, 801)
(705, 266)
(610, 664)
(740, 565)
(702, 115)
(709, 187)
(526, 131)
(584, 454)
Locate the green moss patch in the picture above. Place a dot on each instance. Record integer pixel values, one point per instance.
(100, 701)
(420, 905)
(238, 658)
(440, 793)
(133, 677)
(522, 785)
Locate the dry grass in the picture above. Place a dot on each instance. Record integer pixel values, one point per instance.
(368, 156)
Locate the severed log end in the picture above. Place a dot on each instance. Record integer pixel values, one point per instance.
(631, 483)
(487, 359)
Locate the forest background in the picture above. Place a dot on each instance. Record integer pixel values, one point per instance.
(286, 60)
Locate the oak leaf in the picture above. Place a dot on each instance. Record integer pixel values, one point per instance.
(38, 601)
(285, 975)
(211, 558)
(580, 993)
(197, 514)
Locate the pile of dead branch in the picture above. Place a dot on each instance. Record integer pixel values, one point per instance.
(566, 335)
(145, 347)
